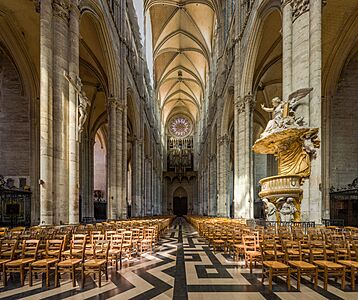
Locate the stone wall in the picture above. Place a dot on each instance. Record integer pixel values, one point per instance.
(14, 121)
(344, 126)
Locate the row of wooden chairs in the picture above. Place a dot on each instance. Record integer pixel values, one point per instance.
(284, 250)
(88, 252)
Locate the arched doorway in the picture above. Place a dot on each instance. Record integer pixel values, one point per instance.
(180, 202)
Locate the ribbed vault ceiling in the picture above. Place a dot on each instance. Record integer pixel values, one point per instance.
(182, 36)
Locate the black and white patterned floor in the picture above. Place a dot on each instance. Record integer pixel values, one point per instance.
(182, 267)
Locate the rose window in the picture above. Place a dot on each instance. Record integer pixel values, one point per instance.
(180, 127)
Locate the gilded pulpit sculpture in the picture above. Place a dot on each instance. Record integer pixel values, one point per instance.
(294, 145)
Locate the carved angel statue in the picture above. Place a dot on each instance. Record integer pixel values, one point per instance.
(284, 112)
(83, 104)
(287, 210)
(270, 210)
(276, 110)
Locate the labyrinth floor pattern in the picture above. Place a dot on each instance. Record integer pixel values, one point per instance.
(182, 267)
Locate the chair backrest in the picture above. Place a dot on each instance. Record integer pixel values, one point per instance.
(78, 239)
(116, 241)
(7, 248)
(135, 233)
(268, 250)
(78, 245)
(97, 237)
(250, 242)
(148, 233)
(30, 248)
(109, 233)
(317, 250)
(127, 237)
(101, 249)
(352, 248)
(54, 248)
(293, 250)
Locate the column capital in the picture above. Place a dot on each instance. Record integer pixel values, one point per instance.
(116, 103)
(250, 102)
(299, 7)
(61, 8)
(239, 105)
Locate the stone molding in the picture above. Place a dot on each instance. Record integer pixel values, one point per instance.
(299, 7)
(224, 139)
(37, 4)
(245, 104)
(114, 102)
(240, 105)
(61, 8)
(250, 102)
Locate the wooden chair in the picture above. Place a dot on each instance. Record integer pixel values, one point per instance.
(77, 242)
(52, 256)
(127, 244)
(115, 251)
(109, 234)
(98, 264)
(28, 255)
(271, 266)
(146, 243)
(9, 247)
(239, 248)
(218, 240)
(251, 250)
(351, 263)
(294, 260)
(75, 258)
(136, 240)
(90, 246)
(318, 257)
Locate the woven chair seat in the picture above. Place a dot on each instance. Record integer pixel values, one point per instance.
(328, 264)
(19, 262)
(349, 263)
(92, 263)
(44, 262)
(69, 262)
(275, 265)
(301, 264)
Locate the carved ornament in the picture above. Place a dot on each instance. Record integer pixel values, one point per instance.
(61, 8)
(299, 7)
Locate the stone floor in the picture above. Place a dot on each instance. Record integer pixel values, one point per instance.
(183, 267)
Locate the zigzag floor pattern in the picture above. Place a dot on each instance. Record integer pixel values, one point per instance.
(182, 267)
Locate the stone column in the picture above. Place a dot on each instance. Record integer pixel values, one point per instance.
(112, 208)
(286, 48)
(86, 176)
(46, 120)
(73, 167)
(120, 164)
(137, 178)
(306, 72)
(222, 174)
(60, 109)
(243, 157)
(213, 185)
(206, 191)
(122, 117)
(123, 212)
(148, 185)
